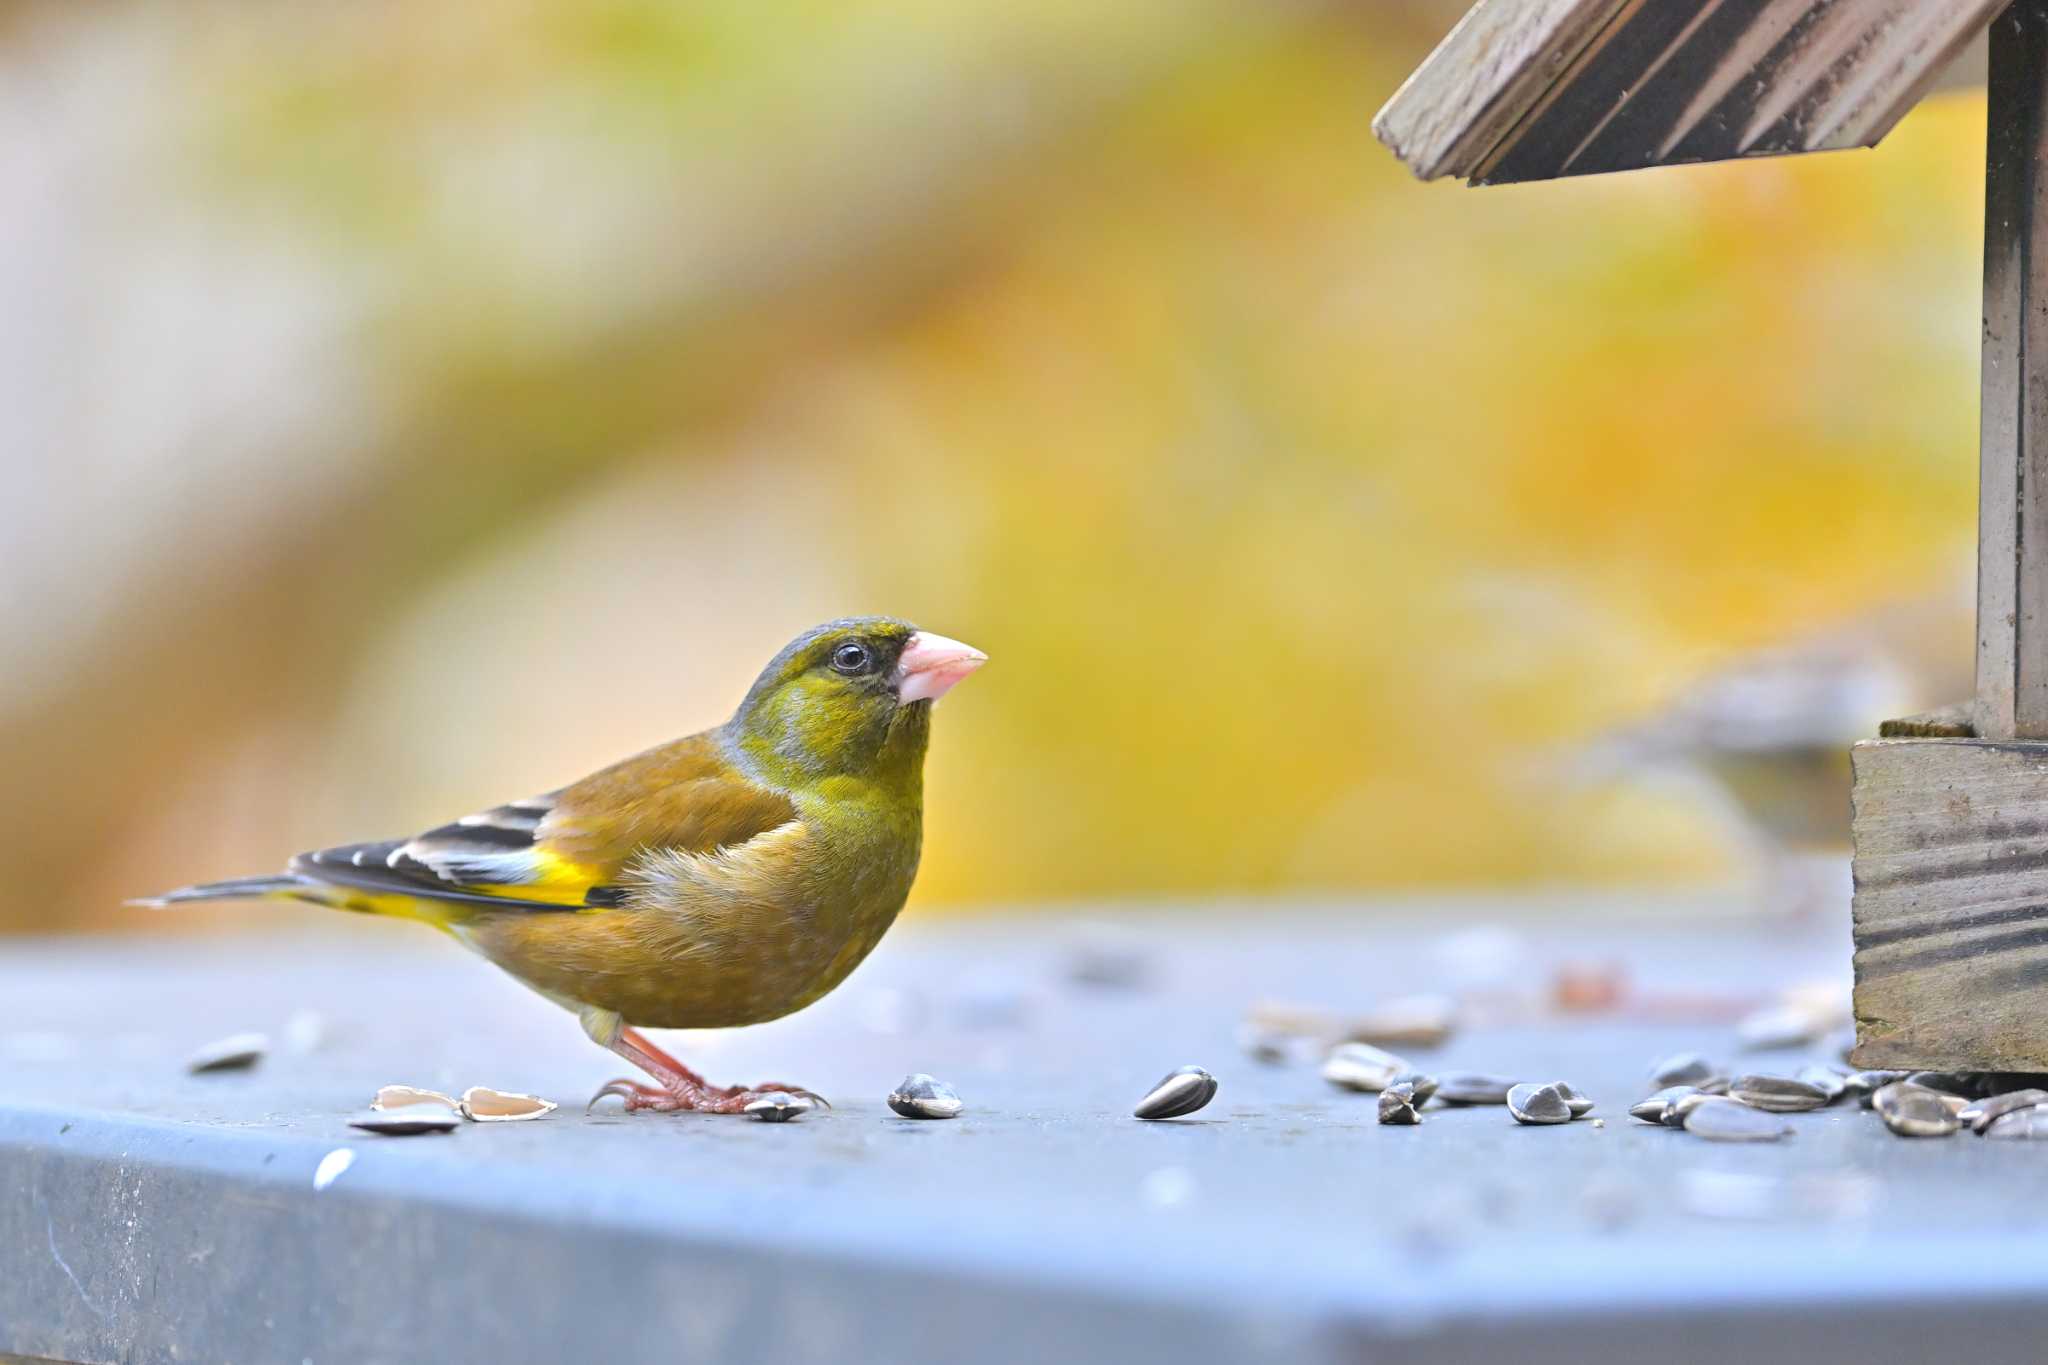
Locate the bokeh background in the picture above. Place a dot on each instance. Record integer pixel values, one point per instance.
(411, 405)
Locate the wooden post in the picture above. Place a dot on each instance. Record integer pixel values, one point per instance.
(1951, 863)
(2012, 516)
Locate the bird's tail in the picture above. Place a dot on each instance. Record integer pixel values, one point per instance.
(233, 889)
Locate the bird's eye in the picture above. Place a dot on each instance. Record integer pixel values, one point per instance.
(851, 658)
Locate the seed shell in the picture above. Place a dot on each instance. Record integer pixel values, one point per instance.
(1911, 1110)
(1539, 1104)
(1421, 1085)
(236, 1052)
(1397, 1105)
(1719, 1119)
(407, 1120)
(399, 1096)
(1361, 1066)
(2026, 1125)
(920, 1096)
(1473, 1087)
(1683, 1068)
(1574, 1101)
(1981, 1114)
(777, 1107)
(481, 1104)
(1777, 1094)
(1179, 1092)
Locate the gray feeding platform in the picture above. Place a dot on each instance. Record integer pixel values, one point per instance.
(151, 1215)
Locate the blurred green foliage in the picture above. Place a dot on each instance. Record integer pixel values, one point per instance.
(1302, 508)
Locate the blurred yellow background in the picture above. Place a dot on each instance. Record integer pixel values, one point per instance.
(415, 405)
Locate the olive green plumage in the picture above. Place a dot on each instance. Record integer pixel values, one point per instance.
(726, 878)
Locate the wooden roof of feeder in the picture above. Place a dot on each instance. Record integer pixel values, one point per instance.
(1537, 89)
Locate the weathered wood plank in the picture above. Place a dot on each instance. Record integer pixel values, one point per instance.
(1536, 89)
(1951, 904)
(2012, 538)
(1485, 75)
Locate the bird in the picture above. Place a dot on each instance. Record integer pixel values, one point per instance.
(724, 879)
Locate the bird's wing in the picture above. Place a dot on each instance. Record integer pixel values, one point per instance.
(567, 850)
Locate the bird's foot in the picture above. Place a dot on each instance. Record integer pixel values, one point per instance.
(687, 1096)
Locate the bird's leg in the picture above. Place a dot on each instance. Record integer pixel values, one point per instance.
(646, 1045)
(680, 1088)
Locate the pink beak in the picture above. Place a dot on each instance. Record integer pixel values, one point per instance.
(931, 664)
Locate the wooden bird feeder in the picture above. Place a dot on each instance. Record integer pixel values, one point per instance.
(1950, 814)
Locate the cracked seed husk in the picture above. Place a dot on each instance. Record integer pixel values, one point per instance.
(399, 1096)
(1420, 1084)
(1683, 1068)
(481, 1104)
(777, 1106)
(1981, 1114)
(1573, 1099)
(407, 1120)
(1361, 1066)
(919, 1096)
(1720, 1119)
(236, 1052)
(1540, 1104)
(2025, 1125)
(1178, 1093)
(1777, 1094)
(1473, 1087)
(1914, 1111)
(1397, 1105)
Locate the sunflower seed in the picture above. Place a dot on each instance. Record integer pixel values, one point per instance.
(918, 1096)
(1864, 1084)
(1891, 1096)
(407, 1120)
(1538, 1104)
(1777, 1027)
(1947, 1082)
(1713, 1085)
(1915, 1111)
(1397, 1105)
(1263, 1045)
(1473, 1087)
(332, 1167)
(1653, 1108)
(1361, 1066)
(236, 1052)
(1684, 1105)
(777, 1106)
(1573, 1100)
(1825, 1079)
(1777, 1094)
(1179, 1092)
(1981, 1114)
(1108, 955)
(1719, 1119)
(1419, 1083)
(2029, 1124)
(481, 1104)
(1409, 1021)
(399, 1096)
(1683, 1068)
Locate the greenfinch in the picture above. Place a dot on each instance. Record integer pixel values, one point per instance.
(728, 878)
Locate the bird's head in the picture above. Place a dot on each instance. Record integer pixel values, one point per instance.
(850, 697)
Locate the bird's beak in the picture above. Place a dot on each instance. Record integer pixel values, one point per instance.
(931, 664)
